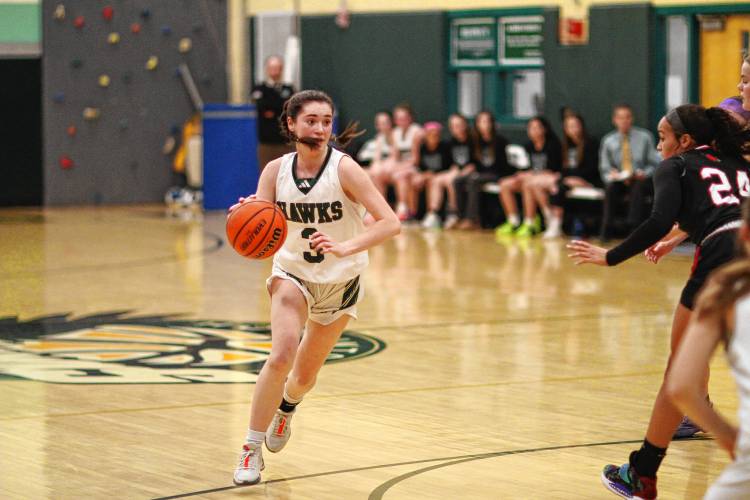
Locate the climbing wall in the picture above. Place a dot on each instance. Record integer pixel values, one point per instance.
(113, 100)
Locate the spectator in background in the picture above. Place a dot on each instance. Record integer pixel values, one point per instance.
(269, 97)
(545, 157)
(461, 145)
(379, 152)
(491, 164)
(580, 168)
(627, 159)
(407, 137)
(434, 162)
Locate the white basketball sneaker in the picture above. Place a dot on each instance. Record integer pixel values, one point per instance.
(251, 463)
(279, 431)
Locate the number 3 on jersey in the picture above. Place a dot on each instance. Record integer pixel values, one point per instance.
(721, 189)
(311, 257)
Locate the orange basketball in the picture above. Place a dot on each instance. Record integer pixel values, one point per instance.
(256, 229)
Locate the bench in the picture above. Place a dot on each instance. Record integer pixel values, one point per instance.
(577, 193)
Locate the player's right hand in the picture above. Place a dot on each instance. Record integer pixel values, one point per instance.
(658, 250)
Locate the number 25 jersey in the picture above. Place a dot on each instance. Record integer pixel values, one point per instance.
(712, 190)
(319, 206)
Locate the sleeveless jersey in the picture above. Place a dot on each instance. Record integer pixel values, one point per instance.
(404, 139)
(738, 353)
(324, 208)
(712, 190)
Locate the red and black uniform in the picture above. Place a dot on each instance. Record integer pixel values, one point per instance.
(702, 193)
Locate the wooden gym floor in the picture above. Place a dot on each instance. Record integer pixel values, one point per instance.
(477, 369)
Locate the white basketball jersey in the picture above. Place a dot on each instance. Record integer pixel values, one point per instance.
(739, 358)
(404, 139)
(324, 208)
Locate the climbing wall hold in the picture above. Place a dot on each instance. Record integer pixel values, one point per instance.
(104, 81)
(152, 63)
(185, 45)
(66, 162)
(91, 113)
(59, 13)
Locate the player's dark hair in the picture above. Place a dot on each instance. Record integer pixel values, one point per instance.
(478, 135)
(568, 141)
(713, 126)
(294, 105)
(462, 118)
(550, 138)
(726, 284)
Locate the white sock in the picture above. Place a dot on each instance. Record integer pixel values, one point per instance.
(290, 399)
(514, 220)
(255, 437)
(402, 207)
(554, 222)
(547, 214)
(528, 222)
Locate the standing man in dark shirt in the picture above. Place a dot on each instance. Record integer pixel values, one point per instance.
(269, 97)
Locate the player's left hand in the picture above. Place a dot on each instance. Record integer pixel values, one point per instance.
(322, 243)
(583, 252)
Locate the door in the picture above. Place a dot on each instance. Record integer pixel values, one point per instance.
(721, 48)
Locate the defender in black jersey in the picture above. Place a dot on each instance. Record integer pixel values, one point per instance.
(701, 193)
(699, 186)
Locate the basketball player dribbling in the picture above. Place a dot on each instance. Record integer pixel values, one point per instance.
(699, 185)
(315, 282)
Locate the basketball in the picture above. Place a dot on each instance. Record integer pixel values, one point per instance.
(256, 229)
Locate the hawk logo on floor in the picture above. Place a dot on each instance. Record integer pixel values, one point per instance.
(113, 348)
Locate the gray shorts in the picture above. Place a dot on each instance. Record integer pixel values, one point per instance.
(326, 302)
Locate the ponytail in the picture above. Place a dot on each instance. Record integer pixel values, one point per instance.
(731, 138)
(713, 126)
(351, 132)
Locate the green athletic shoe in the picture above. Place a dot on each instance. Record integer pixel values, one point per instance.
(526, 231)
(505, 229)
(537, 226)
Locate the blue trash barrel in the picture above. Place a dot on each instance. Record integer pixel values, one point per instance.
(230, 159)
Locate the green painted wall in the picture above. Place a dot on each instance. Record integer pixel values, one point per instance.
(381, 60)
(387, 58)
(614, 67)
(20, 22)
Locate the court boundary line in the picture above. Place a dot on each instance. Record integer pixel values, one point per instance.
(213, 246)
(379, 491)
(654, 312)
(351, 394)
